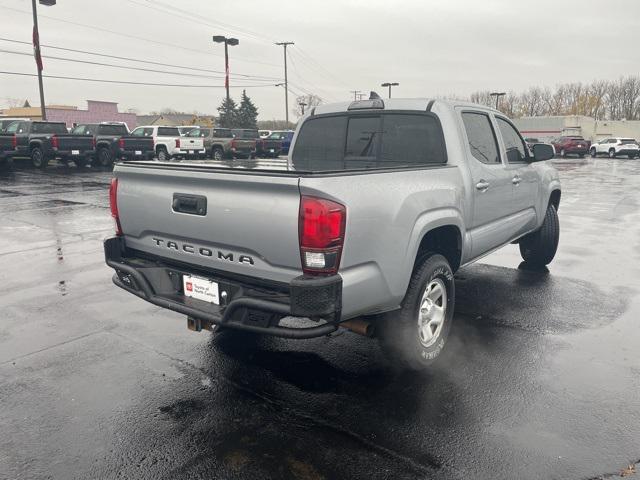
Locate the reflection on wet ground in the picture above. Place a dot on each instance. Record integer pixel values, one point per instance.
(541, 378)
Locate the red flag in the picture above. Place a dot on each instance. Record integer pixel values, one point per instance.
(36, 49)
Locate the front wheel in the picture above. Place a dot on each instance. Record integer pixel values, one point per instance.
(538, 248)
(163, 155)
(593, 153)
(563, 154)
(415, 335)
(217, 154)
(38, 158)
(612, 153)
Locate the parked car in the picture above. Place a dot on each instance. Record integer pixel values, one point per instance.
(44, 141)
(286, 142)
(7, 147)
(571, 145)
(614, 147)
(113, 142)
(275, 144)
(5, 122)
(169, 143)
(244, 142)
(217, 141)
(363, 229)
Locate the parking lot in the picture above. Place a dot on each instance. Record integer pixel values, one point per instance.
(541, 378)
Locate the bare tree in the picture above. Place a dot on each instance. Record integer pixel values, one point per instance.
(310, 100)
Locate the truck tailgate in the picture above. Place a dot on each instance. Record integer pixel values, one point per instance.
(250, 226)
(137, 143)
(75, 142)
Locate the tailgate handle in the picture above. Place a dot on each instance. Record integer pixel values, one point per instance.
(190, 204)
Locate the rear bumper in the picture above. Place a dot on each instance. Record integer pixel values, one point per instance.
(70, 153)
(243, 305)
(131, 155)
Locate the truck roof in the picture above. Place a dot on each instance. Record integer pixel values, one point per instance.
(418, 104)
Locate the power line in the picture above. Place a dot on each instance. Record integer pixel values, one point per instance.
(124, 67)
(164, 44)
(163, 64)
(318, 89)
(125, 82)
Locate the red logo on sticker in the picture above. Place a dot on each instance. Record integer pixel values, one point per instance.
(189, 286)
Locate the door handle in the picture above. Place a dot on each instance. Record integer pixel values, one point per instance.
(482, 185)
(516, 180)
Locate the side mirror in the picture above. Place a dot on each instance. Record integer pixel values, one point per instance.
(542, 152)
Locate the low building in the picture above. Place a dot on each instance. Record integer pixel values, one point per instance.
(97, 111)
(176, 119)
(547, 128)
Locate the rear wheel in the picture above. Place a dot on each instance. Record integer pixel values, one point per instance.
(538, 248)
(38, 158)
(217, 154)
(163, 155)
(563, 153)
(415, 336)
(105, 158)
(612, 153)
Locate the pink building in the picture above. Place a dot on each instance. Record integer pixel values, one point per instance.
(96, 112)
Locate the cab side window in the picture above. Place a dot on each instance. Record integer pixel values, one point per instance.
(515, 146)
(481, 137)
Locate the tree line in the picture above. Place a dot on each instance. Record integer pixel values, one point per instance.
(600, 99)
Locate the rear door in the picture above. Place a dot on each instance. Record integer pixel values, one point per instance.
(525, 180)
(248, 225)
(492, 188)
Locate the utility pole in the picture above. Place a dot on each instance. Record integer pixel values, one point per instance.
(36, 53)
(360, 95)
(355, 94)
(302, 104)
(286, 81)
(389, 84)
(497, 95)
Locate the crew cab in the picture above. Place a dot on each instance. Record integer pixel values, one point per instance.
(218, 142)
(244, 142)
(379, 204)
(571, 145)
(169, 143)
(7, 147)
(5, 122)
(113, 142)
(615, 147)
(45, 141)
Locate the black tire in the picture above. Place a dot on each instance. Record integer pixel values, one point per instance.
(400, 333)
(217, 154)
(163, 155)
(593, 153)
(563, 154)
(38, 158)
(538, 248)
(104, 157)
(612, 153)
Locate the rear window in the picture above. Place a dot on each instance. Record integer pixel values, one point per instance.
(168, 132)
(246, 134)
(112, 130)
(627, 141)
(39, 127)
(198, 132)
(355, 142)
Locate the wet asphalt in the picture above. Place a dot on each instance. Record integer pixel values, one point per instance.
(540, 379)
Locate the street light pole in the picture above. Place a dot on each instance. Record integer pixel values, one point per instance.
(227, 41)
(389, 84)
(286, 81)
(497, 95)
(36, 52)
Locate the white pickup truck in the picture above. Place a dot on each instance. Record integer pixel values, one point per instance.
(170, 144)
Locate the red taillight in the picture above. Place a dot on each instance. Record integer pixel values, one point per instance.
(14, 142)
(54, 141)
(93, 142)
(121, 144)
(233, 144)
(113, 204)
(177, 143)
(321, 232)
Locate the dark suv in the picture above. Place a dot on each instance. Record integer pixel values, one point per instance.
(571, 145)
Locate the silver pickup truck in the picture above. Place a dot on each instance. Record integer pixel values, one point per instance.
(378, 205)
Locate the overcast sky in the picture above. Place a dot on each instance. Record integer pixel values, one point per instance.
(431, 47)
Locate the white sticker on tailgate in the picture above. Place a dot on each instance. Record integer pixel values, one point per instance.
(201, 289)
(138, 152)
(75, 152)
